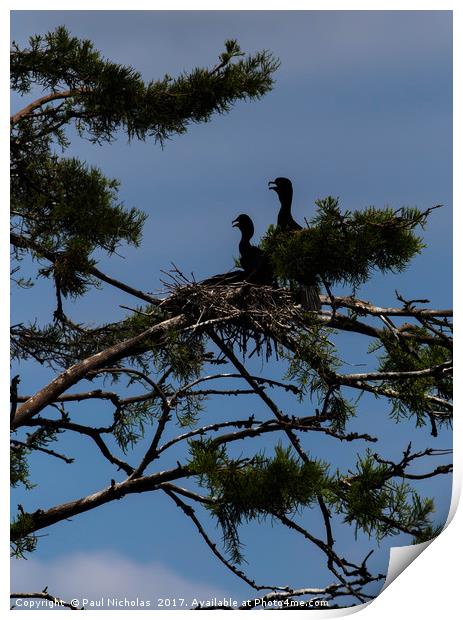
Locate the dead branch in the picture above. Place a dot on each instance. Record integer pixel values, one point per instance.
(365, 307)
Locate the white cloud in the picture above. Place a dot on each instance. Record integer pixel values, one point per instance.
(104, 575)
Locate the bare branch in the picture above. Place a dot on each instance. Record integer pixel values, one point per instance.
(360, 385)
(364, 307)
(115, 491)
(152, 452)
(25, 243)
(93, 433)
(256, 387)
(332, 557)
(77, 397)
(189, 511)
(229, 375)
(187, 493)
(205, 429)
(66, 459)
(441, 369)
(124, 287)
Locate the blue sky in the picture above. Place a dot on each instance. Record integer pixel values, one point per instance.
(361, 110)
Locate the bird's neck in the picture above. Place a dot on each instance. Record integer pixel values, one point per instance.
(286, 200)
(284, 216)
(245, 242)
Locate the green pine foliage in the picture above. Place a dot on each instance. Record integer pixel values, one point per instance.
(313, 362)
(132, 420)
(62, 211)
(413, 400)
(428, 533)
(184, 355)
(24, 543)
(107, 96)
(65, 210)
(379, 505)
(255, 488)
(345, 248)
(312, 366)
(19, 467)
(248, 489)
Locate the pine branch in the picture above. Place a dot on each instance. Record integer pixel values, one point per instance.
(27, 111)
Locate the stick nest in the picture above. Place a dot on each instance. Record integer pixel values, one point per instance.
(241, 313)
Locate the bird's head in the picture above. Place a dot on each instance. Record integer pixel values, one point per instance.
(244, 223)
(282, 186)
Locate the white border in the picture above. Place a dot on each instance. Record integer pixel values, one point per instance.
(431, 587)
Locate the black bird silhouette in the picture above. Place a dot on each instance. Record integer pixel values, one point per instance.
(255, 264)
(283, 187)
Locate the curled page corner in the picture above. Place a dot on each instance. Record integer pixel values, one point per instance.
(401, 557)
(343, 611)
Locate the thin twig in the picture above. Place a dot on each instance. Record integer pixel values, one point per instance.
(190, 513)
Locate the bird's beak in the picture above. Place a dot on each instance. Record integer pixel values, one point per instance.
(235, 223)
(272, 185)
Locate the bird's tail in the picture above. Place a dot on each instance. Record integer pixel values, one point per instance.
(310, 298)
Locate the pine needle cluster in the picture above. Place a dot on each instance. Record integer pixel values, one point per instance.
(346, 248)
